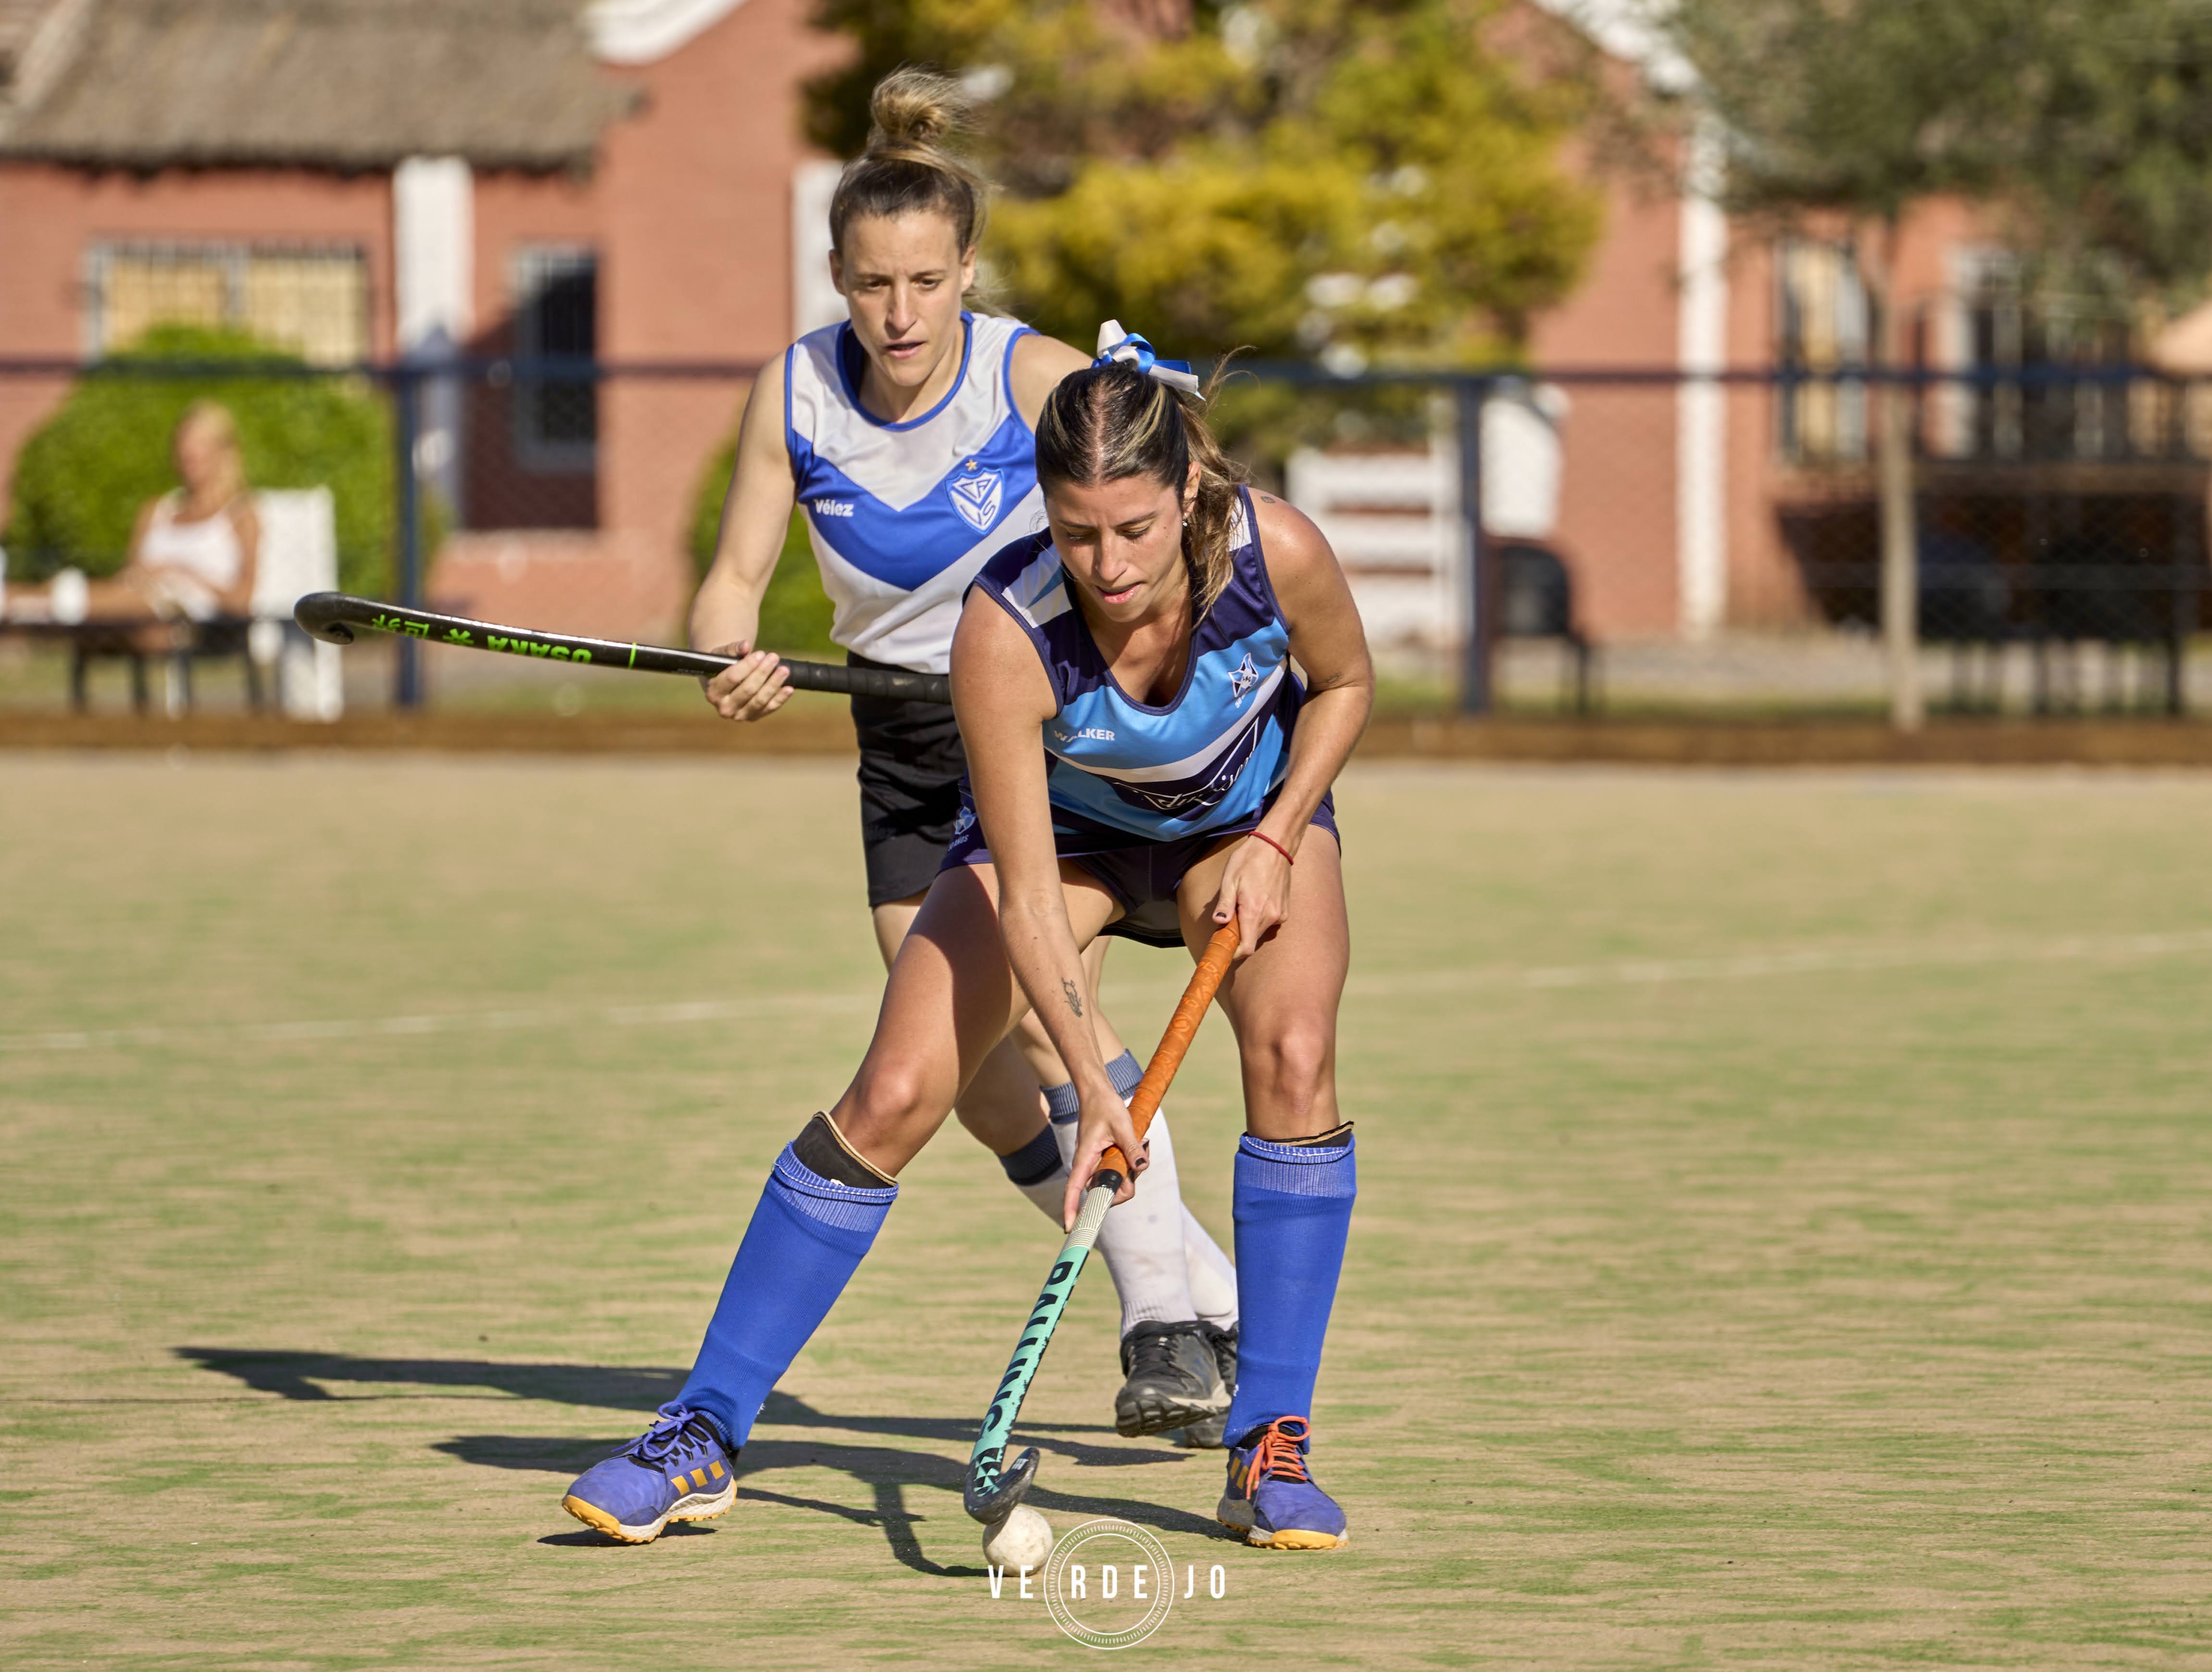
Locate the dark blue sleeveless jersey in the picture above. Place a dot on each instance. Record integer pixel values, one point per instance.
(1209, 759)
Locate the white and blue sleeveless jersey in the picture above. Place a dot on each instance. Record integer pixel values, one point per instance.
(1206, 761)
(901, 515)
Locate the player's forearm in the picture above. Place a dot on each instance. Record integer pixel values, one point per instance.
(726, 610)
(1042, 950)
(1328, 729)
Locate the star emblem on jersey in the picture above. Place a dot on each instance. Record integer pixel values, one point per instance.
(1246, 677)
(975, 497)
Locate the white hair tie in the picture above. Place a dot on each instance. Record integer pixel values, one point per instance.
(1118, 347)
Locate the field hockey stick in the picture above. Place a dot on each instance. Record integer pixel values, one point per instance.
(990, 1492)
(331, 616)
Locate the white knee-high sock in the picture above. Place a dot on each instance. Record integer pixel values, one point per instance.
(1144, 1240)
(1213, 1274)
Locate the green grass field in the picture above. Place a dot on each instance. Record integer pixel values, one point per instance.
(1782, 1236)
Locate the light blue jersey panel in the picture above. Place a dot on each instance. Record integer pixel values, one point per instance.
(901, 515)
(1206, 761)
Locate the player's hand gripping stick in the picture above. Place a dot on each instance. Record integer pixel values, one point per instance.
(990, 1492)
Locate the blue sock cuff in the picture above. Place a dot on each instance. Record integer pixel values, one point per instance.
(1295, 1169)
(1125, 1075)
(845, 1207)
(1062, 1102)
(1035, 1161)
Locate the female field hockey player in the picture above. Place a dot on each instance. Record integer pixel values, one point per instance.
(1142, 762)
(907, 434)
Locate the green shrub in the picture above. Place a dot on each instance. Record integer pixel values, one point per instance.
(82, 477)
(795, 612)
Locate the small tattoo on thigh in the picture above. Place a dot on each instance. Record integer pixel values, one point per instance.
(1075, 999)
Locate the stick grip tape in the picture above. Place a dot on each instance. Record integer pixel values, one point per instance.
(1182, 1028)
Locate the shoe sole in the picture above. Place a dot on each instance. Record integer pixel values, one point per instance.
(1283, 1538)
(685, 1509)
(1160, 1415)
(1291, 1538)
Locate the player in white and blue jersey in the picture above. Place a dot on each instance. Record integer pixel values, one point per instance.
(1143, 761)
(904, 434)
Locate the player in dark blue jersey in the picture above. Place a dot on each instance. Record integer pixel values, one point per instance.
(905, 434)
(1142, 761)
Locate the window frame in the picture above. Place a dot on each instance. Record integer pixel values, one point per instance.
(234, 258)
(531, 269)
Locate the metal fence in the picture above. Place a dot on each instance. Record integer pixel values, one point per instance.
(1646, 542)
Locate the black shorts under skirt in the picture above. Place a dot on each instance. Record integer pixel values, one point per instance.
(911, 764)
(1142, 876)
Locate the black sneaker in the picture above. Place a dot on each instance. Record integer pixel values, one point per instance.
(1209, 1435)
(1174, 1379)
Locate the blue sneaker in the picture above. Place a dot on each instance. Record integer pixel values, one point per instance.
(1271, 1498)
(677, 1470)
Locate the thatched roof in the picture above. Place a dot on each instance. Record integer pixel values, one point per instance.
(342, 84)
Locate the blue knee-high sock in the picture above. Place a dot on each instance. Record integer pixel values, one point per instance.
(1293, 1210)
(807, 1238)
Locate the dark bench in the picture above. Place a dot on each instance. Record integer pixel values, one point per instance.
(89, 642)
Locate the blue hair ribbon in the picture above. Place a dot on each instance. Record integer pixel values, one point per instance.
(1118, 347)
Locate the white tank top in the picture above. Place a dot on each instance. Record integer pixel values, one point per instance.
(200, 560)
(901, 515)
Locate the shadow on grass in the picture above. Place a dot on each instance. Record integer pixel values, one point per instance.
(886, 1471)
(296, 1376)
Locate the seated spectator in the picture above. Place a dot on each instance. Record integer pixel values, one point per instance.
(192, 553)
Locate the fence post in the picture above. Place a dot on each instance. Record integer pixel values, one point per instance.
(1475, 659)
(2181, 619)
(407, 423)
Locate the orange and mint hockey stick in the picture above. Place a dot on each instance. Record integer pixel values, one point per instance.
(991, 1491)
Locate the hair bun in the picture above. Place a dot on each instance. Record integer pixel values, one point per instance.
(914, 109)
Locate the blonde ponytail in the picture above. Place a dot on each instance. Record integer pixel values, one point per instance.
(906, 170)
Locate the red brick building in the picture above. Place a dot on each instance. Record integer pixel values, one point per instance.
(368, 177)
(359, 181)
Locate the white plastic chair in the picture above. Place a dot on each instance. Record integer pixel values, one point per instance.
(298, 555)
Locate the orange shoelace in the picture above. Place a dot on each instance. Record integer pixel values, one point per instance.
(1277, 1456)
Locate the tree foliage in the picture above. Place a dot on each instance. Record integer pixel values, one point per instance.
(2085, 126)
(1861, 107)
(2116, 125)
(83, 474)
(1364, 180)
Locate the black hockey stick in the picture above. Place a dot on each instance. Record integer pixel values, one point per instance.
(333, 616)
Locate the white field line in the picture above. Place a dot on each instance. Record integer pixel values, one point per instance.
(1799, 960)
(1628, 972)
(484, 1021)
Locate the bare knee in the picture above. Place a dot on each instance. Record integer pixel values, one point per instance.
(1290, 1074)
(889, 1101)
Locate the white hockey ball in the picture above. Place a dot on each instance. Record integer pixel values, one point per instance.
(1022, 1539)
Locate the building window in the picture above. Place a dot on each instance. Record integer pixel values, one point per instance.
(312, 301)
(2005, 330)
(556, 307)
(1827, 327)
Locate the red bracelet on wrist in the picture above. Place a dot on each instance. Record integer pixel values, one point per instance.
(1271, 842)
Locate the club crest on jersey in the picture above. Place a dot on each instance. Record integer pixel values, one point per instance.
(976, 497)
(1242, 681)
